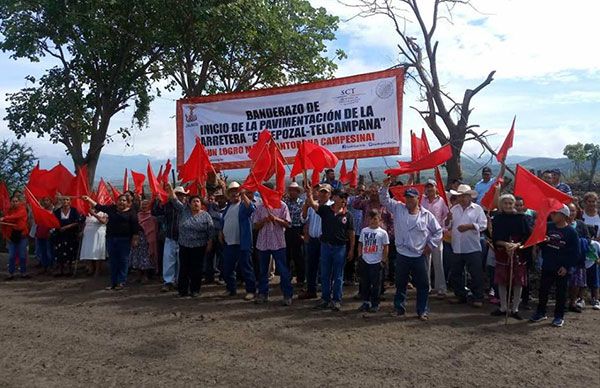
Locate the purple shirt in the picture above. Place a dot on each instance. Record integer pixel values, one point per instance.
(437, 207)
(271, 236)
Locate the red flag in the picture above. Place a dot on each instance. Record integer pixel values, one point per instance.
(79, 187)
(419, 148)
(508, 143)
(432, 160)
(315, 178)
(487, 201)
(425, 142)
(138, 181)
(270, 198)
(344, 173)
(41, 216)
(353, 175)
(165, 176)
(60, 177)
(125, 181)
(313, 156)
(4, 198)
(160, 173)
(115, 192)
(155, 186)
(538, 234)
(440, 185)
(196, 168)
(398, 191)
(39, 183)
(103, 196)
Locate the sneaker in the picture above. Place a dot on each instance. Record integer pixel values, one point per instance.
(322, 305)
(423, 317)
(374, 309)
(364, 307)
(516, 315)
(286, 302)
(596, 304)
(261, 299)
(307, 295)
(249, 296)
(336, 306)
(498, 313)
(575, 308)
(580, 303)
(537, 317)
(491, 294)
(558, 322)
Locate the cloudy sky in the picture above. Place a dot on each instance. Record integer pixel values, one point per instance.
(544, 53)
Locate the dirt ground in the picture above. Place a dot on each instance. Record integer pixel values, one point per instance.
(70, 332)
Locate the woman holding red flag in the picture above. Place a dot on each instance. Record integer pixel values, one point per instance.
(144, 257)
(66, 238)
(509, 230)
(15, 231)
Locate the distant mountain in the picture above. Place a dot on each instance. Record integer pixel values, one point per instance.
(111, 167)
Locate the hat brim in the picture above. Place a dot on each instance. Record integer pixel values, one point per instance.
(472, 193)
(295, 188)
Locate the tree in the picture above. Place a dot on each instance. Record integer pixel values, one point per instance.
(104, 55)
(447, 118)
(16, 161)
(229, 46)
(580, 153)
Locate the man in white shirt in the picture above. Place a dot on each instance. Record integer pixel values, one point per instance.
(416, 233)
(437, 206)
(466, 221)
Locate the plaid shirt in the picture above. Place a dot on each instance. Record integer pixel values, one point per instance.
(271, 236)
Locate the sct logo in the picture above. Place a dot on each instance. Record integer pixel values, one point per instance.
(348, 92)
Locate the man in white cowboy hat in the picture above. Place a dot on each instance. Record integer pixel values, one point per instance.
(293, 234)
(466, 220)
(169, 217)
(237, 239)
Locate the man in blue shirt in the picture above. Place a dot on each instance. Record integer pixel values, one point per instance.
(330, 179)
(484, 184)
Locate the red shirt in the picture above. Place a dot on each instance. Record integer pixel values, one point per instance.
(18, 216)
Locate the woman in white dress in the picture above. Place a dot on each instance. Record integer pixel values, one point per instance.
(93, 244)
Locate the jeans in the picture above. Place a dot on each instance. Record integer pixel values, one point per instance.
(370, 282)
(231, 255)
(118, 255)
(333, 259)
(447, 259)
(170, 261)
(43, 250)
(191, 262)
(434, 259)
(405, 267)
(17, 249)
(313, 253)
(280, 262)
(473, 262)
(294, 244)
(547, 280)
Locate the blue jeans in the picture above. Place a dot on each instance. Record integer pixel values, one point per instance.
(313, 253)
(118, 255)
(19, 249)
(170, 261)
(43, 250)
(333, 260)
(415, 266)
(280, 258)
(231, 255)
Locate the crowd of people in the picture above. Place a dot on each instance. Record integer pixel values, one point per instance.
(324, 237)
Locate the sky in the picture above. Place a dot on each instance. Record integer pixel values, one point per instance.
(543, 51)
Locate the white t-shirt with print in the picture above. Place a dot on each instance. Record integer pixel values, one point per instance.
(593, 221)
(373, 242)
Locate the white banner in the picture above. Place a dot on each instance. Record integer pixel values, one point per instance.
(354, 117)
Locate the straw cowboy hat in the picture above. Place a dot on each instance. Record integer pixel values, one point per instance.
(233, 186)
(294, 185)
(464, 189)
(180, 190)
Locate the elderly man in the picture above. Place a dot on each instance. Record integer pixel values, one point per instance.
(417, 232)
(293, 234)
(437, 206)
(484, 184)
(237, 239)
(466, 220)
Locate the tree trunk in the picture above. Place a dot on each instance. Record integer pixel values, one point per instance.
(453, 167)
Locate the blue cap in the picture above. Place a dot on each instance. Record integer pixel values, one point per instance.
(412, 192)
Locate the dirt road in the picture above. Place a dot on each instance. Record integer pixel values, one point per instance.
(70, 332)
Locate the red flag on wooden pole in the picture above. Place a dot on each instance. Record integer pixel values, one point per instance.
(508, 143)
(138, 181)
